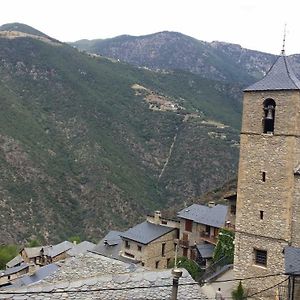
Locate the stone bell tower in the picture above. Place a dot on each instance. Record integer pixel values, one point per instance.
(268, 203)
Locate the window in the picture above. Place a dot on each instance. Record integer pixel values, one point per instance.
(168, 262)
(207, 230)
(188, 225)
(260, 257)
(269, 116)
(156, 264)
(139, 248)
(185, 252)
(233, 209)
(127, 245)
(143, 264)
(263, 176)
(164, 222)
(163, 248)
(261, 214)
(129, 254)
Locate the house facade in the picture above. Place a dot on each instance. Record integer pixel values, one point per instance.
(150, 244)
(200, 224)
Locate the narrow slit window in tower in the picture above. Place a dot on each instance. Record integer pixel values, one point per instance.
(263, 177)
(261, 214)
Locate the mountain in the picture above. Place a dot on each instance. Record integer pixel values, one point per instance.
(21, 28)
(175, 51)
(89, 144)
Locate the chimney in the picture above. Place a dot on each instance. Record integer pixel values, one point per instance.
(105, 242)
(74, 243)
(157, 217)
(211, 204)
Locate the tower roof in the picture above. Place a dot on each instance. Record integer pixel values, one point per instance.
(280, 77)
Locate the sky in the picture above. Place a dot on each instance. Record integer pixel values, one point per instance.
(254, 24)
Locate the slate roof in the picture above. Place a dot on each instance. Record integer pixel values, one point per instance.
(213, 216)
(292, 261)
(39, 275)
(91, 276)
(55, 250)
(146, 232)
(81, 248)
(33, 251)
(206, 250)
(113, 238)
(112, 247)
(280, 77)
(15, 261)
(14, 270)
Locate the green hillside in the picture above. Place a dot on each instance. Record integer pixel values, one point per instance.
(88, 144)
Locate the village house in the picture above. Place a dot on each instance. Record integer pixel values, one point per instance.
(15, 262)
(33, 255)
(151, 244)
(91, 276)
(200, 225)
(110, 246)
(43, 255)
(14, 273)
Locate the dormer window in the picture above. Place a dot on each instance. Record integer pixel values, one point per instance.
(269, 116)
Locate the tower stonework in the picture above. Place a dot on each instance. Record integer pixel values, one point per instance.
(268, 203)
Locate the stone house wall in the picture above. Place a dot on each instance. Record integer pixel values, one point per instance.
(150, 255)
(195, 236)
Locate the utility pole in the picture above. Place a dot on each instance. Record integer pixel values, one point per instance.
(177, 273)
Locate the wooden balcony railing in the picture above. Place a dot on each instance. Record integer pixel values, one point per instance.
(204, 236)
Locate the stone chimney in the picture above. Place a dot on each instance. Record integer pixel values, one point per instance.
(157, 217)
(211, 204)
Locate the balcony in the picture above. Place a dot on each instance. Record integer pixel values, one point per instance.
(204, 236)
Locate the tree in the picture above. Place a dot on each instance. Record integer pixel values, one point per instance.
(188, 264)
(33, 243)
(225, 246)
(7, 253)
(239, 293)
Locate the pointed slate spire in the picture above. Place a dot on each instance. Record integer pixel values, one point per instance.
(280, 77)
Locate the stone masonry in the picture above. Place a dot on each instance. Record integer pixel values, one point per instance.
(92, 276)
(267, 208)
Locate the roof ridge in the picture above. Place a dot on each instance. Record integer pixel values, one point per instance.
(280, 76)
(291, 72)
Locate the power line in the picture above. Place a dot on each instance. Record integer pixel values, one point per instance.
(267, 289)
(249, 278)
(95, 290)
(138, 287)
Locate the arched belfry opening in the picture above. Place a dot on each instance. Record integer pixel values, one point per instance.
(269, 116)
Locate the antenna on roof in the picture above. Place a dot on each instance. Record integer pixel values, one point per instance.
(283, 43)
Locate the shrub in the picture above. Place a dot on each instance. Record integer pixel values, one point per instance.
(188, 264)
(239, 293)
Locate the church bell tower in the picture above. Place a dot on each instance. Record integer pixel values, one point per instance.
(268, 203)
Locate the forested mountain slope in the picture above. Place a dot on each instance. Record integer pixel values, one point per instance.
(88, 144)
